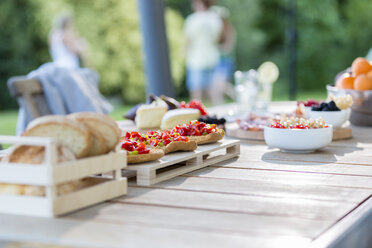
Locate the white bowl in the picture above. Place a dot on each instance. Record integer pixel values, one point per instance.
(334, 118)
(298, 140)
(307, 111)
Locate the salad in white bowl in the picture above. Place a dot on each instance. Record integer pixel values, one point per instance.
(298, 135)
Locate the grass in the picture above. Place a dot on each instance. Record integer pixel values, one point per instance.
(8, 119)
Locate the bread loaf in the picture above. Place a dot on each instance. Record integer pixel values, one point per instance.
(36, 155)
(98, 144)
(101, 124)
(17, 189)
(67, 132)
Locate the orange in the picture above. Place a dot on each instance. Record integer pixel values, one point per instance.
(363, 82)
(345, 81)
(360, 66)
(369, 74)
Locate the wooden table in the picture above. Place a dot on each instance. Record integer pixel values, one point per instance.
(264, 198)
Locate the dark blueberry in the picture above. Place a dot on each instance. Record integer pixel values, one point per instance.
(332, 104)
(221, 121)
(336, 109)
(315, 108)
(212, 120)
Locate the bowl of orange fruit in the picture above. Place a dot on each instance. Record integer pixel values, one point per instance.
(356, 81)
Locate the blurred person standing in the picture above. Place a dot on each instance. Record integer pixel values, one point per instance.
(67, 49)
(202, 31)
(222, 81)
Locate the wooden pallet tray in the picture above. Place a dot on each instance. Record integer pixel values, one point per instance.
(233, 130)
(50, 174)
(178, 163)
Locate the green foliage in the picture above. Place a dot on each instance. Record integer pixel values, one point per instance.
(330, 35)
(111, 29)
(320, 41)
(357, 28)
(176, 42)
(21, 45)
(250, 39)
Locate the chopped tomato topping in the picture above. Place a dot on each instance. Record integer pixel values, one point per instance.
(136, 143)
(195, 104)
(195, 128)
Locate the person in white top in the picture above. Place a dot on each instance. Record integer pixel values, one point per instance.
(222, 82)
(66, 47)
(202, 31)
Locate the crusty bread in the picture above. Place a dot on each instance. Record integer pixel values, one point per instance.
(36, 155)
(209, 138)
(180, 146)
(67, 132)
(64, 188)
(101, 124)
(140, 158)
(98, 145)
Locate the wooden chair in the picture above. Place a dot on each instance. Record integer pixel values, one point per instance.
(30, 96)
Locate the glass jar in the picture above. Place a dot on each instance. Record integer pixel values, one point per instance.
(246, 90)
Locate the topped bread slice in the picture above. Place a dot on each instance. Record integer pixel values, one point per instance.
(100, 124)
(175, 146)
(154, 154)
(69, 133)
(208, 138)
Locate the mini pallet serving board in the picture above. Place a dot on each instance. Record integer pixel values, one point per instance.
(178, 163)
(233, 130)
(50, 174)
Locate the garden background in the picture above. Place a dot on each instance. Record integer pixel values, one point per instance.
(330, 35)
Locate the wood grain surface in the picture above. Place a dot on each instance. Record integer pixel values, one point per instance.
(264, 198)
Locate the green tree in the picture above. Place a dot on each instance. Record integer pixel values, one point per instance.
(21, 44)
(111, 28)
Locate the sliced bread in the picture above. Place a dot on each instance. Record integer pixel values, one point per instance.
(36, 155)
(98, 141)
(98, 145)
(102, 124)
(67, 132)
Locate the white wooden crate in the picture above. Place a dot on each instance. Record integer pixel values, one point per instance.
(50, 174)
(178, 163)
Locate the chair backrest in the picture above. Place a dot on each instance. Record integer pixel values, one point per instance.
(30, 96)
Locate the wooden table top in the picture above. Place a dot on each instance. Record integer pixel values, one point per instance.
(264, 198)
